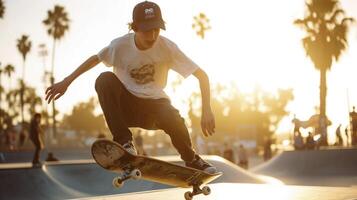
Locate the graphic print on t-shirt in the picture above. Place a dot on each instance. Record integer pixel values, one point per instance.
(144, 74)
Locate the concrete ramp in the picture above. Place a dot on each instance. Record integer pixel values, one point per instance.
(63, 181)
(91, 179)
(328, 167)
(84, 178)
(28, 183)
(238, 191)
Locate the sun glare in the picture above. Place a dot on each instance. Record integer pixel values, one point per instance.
(253, 44)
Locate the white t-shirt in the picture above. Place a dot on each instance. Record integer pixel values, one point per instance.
(144, 72)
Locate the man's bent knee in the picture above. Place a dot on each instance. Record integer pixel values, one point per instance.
(104, 79)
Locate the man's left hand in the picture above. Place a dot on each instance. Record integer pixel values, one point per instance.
(208, 123)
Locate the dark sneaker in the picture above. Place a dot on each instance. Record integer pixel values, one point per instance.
(129, 147)
(200, 164)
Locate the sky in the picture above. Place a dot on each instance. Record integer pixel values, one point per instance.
(252, 43)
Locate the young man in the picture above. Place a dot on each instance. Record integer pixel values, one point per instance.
(133, 95)
(35, 136)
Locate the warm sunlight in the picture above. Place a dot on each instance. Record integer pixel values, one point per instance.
(253, 44)
(149, 99)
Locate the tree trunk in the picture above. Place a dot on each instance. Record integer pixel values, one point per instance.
(52, 82)
(22, 91)
(45, 106)
(323, 118)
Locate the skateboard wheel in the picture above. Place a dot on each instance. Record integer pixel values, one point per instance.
(206, 190)
(188, 196)
(117, 182)
(135, 174)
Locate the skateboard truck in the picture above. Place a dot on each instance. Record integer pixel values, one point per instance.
(127, 174)
(197, 190)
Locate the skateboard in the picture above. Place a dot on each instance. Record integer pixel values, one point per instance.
(113, 157)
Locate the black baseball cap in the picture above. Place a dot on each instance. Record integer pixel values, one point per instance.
(147, 16)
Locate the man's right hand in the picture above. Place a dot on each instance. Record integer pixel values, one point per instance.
(57, 90)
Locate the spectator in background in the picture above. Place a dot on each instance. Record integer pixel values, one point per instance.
(35, 136)
(347, 137)
(11, 135)
(298, 141)
(310, 142)
(2, 137)
(339, 140)
(242, 157)
(51, 157)
(228, 152)
(353, 118)
(7, 137)
(267, 149)
(22, 138)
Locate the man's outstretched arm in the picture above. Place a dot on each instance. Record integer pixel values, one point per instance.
(58, 89)
(207, 119)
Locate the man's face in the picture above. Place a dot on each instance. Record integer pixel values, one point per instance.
(146, 39)
(38, 120)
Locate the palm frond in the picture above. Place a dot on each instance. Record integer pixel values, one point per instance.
(9, 70)
(57, 22)
(24, 45)
(326, 31)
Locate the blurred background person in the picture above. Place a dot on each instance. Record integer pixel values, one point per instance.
(35, 136)
(242, 157)
(339, 139)
(228, 152)
(310, 142)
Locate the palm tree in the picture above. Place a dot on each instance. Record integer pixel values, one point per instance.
(24, 46)
(11, 102)
(42, 52)
(9, 70)
(57, 23)
(32, 100)
(1, 72)
(47, 78)
(326, 29)
(201, 23)
(2, 9)
(1, 91)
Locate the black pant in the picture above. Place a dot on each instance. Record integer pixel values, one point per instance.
(36, 156)
(122, 110)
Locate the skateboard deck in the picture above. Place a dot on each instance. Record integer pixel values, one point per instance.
(112, 156)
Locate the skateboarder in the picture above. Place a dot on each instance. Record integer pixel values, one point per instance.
(133, 95)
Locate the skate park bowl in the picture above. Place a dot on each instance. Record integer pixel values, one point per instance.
(324, 167)
(84, 178)
(241, 191)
